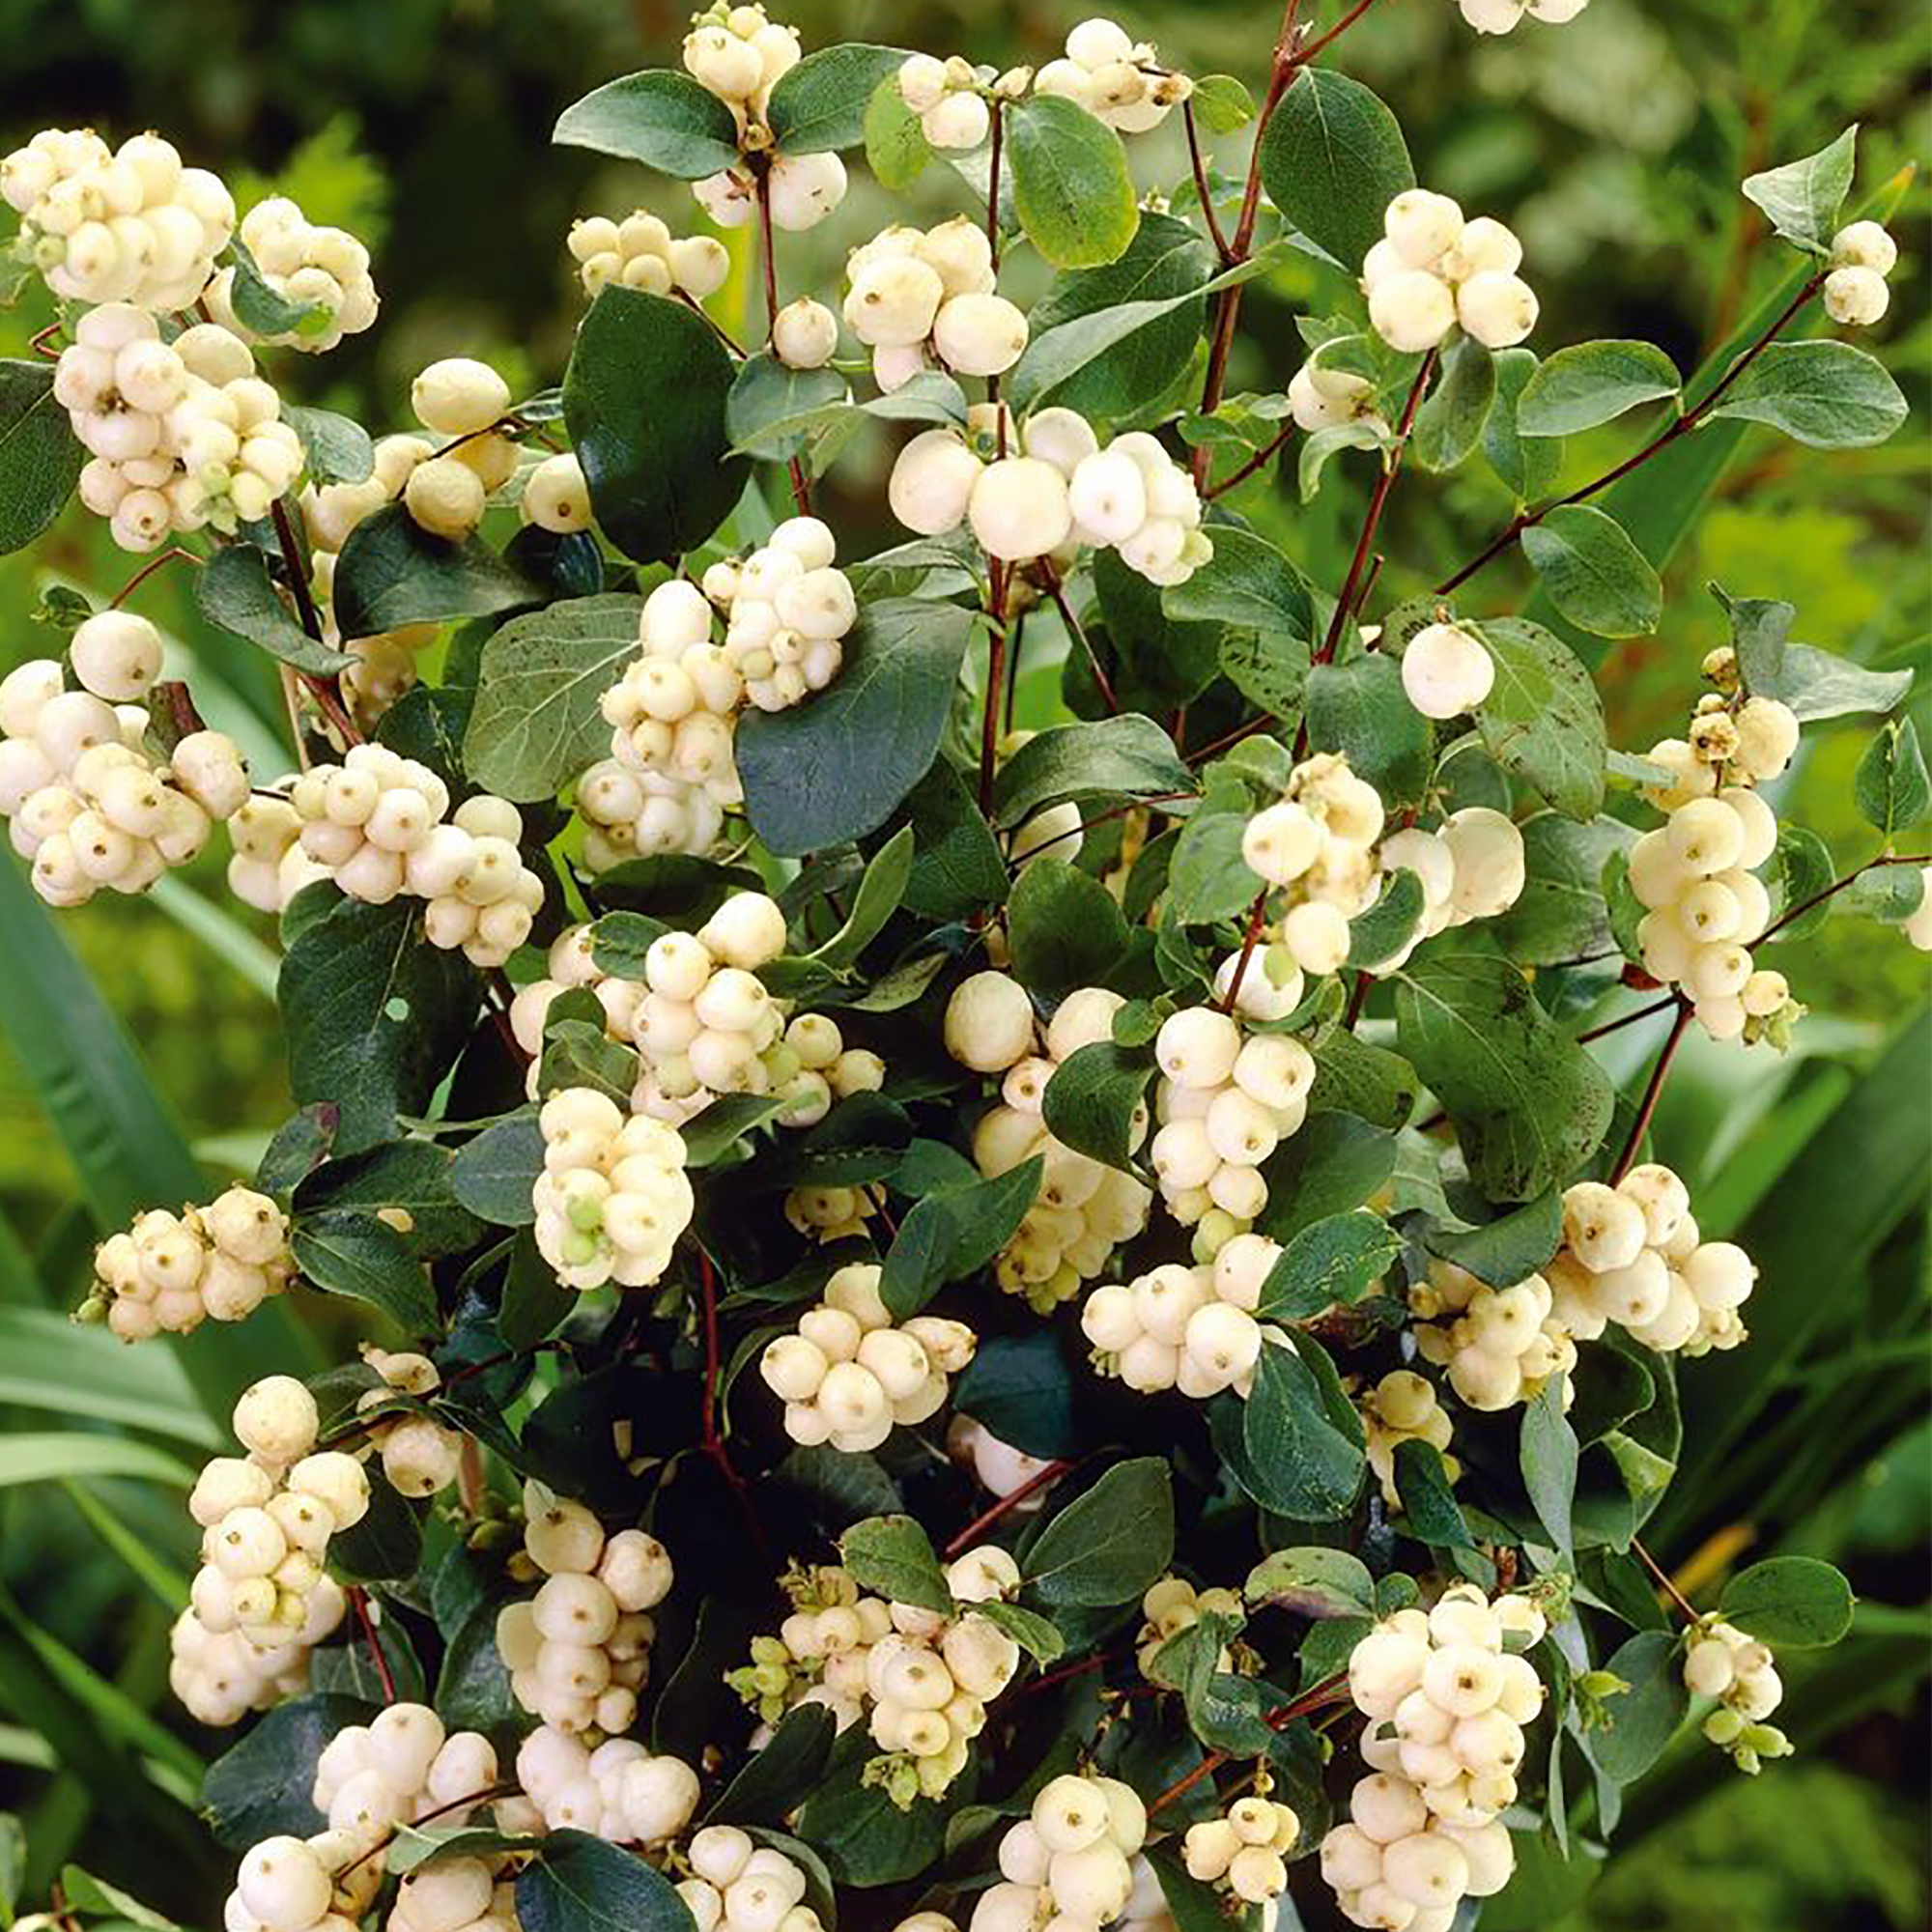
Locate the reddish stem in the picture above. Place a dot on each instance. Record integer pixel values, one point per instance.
(993, 183)
(1261, 457)
(1837, 886)
(1629, 1019)
(1653, 1093)
(1047, 1473)
(1311, 1699)
(1200, 166)
(1257, 918)
(1665, 1581)
(174, 554)
(359, 1601)
(996, 677)
(801, 484)
(1057, 590)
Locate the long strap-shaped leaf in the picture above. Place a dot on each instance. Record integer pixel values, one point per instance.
(125, 1145)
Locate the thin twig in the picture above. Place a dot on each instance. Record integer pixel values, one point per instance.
(359, 1601)
(996, 674)
(1326, 1691)
(1257, 461)
(1654, 1092)
(1663, 1578)
(1047, 1473)
(1057, 590)
(993, 184)
(1201, 189)
(174, 554)
(1657, 1006)
(1257, 918)
(326, 690)
(801, 484)
(1837, 886)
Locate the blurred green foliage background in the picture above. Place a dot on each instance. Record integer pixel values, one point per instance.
(1614, 147)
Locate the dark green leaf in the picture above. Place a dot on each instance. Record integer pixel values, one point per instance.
(472, 1689)
(1593, 383)
(580, 1884)
(1331, 1582)
(345, 1252)
(1109, 1544)
(493, 1173)
(1336, 1162)
(952, 1234)
(1826, 396)
(1021, 1388)
(820, 103)
(1794, 1602)
(1032, 1632)
(1295, 1458)
(1561, 914)
(644, 399)
(1332, 159)
(41, 458)
(893, 1555)
(392, 573)
(263, 309)
(1542, 720)
(1351, 1076)
(1360, 708)
(1801, 867)
(1065, 929)
(781, 1774)
(1508, 1249)
(1382, 932)
(337, 449)
(1334, 1263)
(1803, 198)
(411, 1175)
(1072, 192)
(1593, 573)
(767, 392)
(661, 118)
(1548, 1458)
(1129, 756)
(957, 867)
(1091, 1099)
(1449, 424)
(1247, 582)
(1645, 1718)
(260, 1786)
(1428, 1503)
(298, 1146)
(233, 592)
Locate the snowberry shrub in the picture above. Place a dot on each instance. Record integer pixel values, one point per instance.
(963, 1308)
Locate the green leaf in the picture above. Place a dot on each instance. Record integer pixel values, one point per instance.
(1072, 192)
(1207, 878)
(1332, 1263)
(1891, 785)
(1529, 1106)
(84, 1892)
(1330, 441)
(1645, 1718)
(374, 1014)
(1548, 1453)
(824, 428)
(820, 105)
(1246, 581)
(1166, 260)
(1360, 708)
(493, 1173)
(12, 1865)
(1129, 756)
(862, 1835)
(233, 592)
(1221, 103)
(1351, 1076)
(1108, 1545)
(48, 1362)
(956, 866)
(1803, 199)
(580, 1884)
(262, 308)
(1528, 466)
(260, 1786)
(644, 399)
(834, 769)
(881, 890)
(337, 449)
(1561, 913)
(1385, 927)
(1332, 159)
(579, 1052)
(952, 1234)
(411, 1175)
(1542, 720)
(768, 395)
(1028, 1629)
(1794, 1602)
(1332, 1581)
(1429, 1505)
(1092, 1099)
(1593, 383)
(1826, 396)
(1021, 1388)
(1816, 684)
(345, 1252)
(392, 573)
(1065, 929)
(536, 723)
(41, 458)
(659, 117)
(1449, 424)
(897, 149)
(1508, 1249)
(780, 1775)
(534, 1301)
(413, 1846)
(1593, 573)
(1336, 1162)
(1295, 1459)
(894, 1555)
(1801, 868)
(1759, 631)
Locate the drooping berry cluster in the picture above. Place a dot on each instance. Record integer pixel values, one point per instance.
(851, 1374)
(1317, 844)
(447, 489)
(785, 607)
(169, 1274)
(1855, 292)
(1473, 866)
(399, 1767)
(1720, 1661)
(1433, 272)
(128, 224)
(918, 295)
(737, 1886)
(1244, 1853)
(301, 261)
(377, 821)
(1498, 1344)
(1083, 1210)
(616, 1790)
(612, 1197)
(1067, 1862)
(578, 1651)
(420, 1454)
(640, 252)
(1632, 1254)
(1191, 1328)
(1115, 78)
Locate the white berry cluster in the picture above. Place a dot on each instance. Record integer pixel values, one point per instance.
(1733, 740)
(302, 262)
(317, 1883)
(1402, 1408)
(1862, 255)
(818, 1655)
(945, 94)
(1225, 1101)
(447, 491)
(822, 1213)
(1084, 1209)
(1191, 1328)
(914, 290)
(1498, 1344)
(461, 1893)
(1244, 1852)
(1317, 843)
(1174, 1604)
(397, 1768)
(268, 866)
(1471, 866)
(181, 434)
(377, 821)
(1499, 16)
(580, 1650)
(1115, 78)
(1447, 1703)
(128, 224)
(738, 54)
(266, 1518)
(737, 1886)
(613, 1196)
(169, 1272)
(629, 813)
(1063, 489)
(850, 1372)
(1632, 1254)
(1066, 1863)
(616, 1790)
(1446, 671)
(220, 1676)
(1433, 272)
(640, 252)
(420, 1455)
(85, 804)
(1696, 877)
(1323, 398)
(785, 607)
(1721, 1662)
